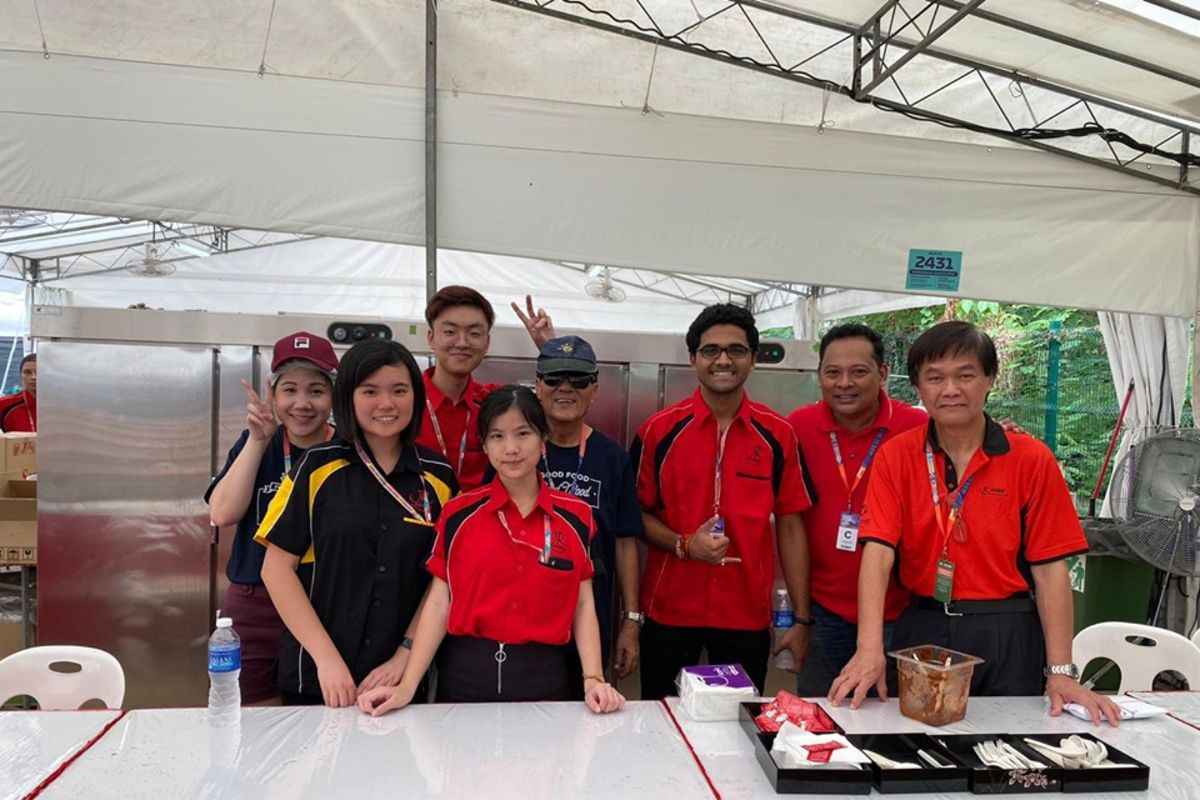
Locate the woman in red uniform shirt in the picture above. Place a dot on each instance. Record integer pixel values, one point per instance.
(511, 581)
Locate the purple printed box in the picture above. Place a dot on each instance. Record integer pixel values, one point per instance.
(729, 675)
(712, 692)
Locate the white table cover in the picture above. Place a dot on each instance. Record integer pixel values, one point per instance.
(528, 751)
(33, 744)
(1171, 750)
(1185, 706)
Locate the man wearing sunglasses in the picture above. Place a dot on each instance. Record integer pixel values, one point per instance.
(586, 463)
(711, 472)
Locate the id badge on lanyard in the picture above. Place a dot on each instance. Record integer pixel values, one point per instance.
(849, 522)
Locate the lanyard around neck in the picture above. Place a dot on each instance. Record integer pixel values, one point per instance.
(573, 488)
(437, 431)
(544, 552)
(721, 437)
(945, 527)
(862, 469)
(287, 448)
(427, 516)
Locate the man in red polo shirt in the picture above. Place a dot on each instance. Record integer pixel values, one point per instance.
(460, 326)
(839, 436)
(711, 470)
(980, 523)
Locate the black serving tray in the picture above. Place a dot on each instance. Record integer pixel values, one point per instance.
(904, 747)
(789, 780)
(1132, 778)
(996, 780)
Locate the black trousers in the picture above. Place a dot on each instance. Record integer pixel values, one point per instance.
(1011, 645)
(475, 670)
(666, 649)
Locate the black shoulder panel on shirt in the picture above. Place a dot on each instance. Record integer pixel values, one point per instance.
(455, 521)
(664, 447)
(776, 455)
(581, 529)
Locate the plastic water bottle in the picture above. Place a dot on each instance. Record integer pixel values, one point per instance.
(224, 668)
(782, 620)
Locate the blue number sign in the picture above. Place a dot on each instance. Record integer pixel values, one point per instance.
(934, 270)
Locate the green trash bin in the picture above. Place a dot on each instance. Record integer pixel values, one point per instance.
(1110, 585)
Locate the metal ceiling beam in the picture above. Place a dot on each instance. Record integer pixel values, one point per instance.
(1178, 8)
(1078, 44)
(655, 36)
(917, 48)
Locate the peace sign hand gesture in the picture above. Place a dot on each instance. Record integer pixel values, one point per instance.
(538, 323)
(260, 415)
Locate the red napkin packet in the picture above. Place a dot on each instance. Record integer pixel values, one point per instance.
(787, 707)
(821, 753)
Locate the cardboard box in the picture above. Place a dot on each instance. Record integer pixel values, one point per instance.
(10, 640)
(18, 520)
(20, 454)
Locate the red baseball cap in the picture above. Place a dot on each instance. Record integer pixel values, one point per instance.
(304, 346)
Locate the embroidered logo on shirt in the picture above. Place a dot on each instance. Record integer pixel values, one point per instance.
(756, 455)
(993, 491)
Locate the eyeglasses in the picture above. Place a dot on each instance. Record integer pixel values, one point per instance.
(579, 382)
(735, 351)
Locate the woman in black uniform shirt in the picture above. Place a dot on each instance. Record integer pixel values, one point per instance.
(348, 532)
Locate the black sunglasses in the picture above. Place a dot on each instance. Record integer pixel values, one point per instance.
(579, 382)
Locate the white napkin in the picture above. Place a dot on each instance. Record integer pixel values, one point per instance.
(1131, 708)
(789, 751)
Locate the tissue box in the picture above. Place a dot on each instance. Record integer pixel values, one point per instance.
(713, 692)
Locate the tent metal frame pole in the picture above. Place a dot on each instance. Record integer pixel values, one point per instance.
(1070, 41)
(1178, 8)
(916, 49)
(871, 32)
(431, 229)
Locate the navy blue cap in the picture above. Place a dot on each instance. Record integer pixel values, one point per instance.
(566, 354)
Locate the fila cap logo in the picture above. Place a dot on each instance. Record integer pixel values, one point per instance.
(300, 343)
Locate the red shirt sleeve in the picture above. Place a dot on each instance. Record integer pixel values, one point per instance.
(588, 569)
(1052, 524)
(884, 503)
(436, 563)
(795, 494)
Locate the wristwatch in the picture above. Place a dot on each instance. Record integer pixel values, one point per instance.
(636, 616)
(1070, 670)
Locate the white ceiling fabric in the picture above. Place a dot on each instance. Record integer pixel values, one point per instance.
(157, 111)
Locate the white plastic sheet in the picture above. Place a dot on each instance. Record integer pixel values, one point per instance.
(512, 750)
(33, 744)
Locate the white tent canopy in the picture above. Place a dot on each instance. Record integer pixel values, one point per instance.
(560, 142)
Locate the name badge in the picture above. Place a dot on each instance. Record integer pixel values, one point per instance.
(847, 535)
(943, 582)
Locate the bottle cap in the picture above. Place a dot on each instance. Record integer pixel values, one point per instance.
(224, 622)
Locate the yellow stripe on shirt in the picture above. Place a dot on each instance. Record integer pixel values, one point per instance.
(278, 503)
(439, 488)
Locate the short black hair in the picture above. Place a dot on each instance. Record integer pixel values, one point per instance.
(953, 338)
(512, 395)
(722, 314)
(355, 367)
(31, 357)
(453, 296)
(852, 330)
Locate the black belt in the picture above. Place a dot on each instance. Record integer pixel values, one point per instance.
(1019, 603)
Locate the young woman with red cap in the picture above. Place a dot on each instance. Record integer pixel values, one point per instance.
(290, 417)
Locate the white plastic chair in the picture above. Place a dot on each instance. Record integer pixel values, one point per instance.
(1196, 637)
(28, 672)
(1140, 664)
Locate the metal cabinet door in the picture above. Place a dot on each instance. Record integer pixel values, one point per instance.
(125, 451)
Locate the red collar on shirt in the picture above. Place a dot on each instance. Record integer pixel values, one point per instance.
(701, 411)
(883, 417)
(437, 397)
(498, 497)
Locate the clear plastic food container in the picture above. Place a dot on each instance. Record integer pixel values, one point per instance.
(934, 683)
